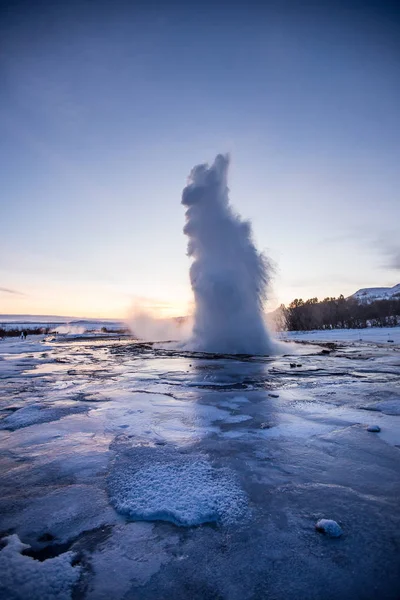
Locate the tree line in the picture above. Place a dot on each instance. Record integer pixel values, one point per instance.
(340, 313)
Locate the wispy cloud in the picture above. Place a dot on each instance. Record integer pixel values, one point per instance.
(390, 249)
(384, 244)
(9, 291)
(393, 255)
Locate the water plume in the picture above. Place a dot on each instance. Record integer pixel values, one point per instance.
(229, 277)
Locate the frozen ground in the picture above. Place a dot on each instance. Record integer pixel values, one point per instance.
(131, 472)
(380, 335)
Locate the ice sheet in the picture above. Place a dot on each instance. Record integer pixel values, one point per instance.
(245, 454)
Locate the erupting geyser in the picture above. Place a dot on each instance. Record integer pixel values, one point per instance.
(229, 276)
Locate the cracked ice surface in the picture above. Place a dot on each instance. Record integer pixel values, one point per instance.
(107, 446)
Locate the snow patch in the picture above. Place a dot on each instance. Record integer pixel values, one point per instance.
(22, 577)
(35, 414)
(389, 407)
(64, 512)
(151, 484)
(376, 335)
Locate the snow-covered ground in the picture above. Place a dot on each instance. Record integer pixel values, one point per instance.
(130, 471)
(376, 335)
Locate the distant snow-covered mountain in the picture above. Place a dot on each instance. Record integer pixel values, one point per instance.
(367, 295)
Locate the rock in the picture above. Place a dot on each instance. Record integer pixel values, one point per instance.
(373, 428)
(329, 528)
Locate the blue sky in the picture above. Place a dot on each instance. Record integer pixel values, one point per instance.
(105, 108)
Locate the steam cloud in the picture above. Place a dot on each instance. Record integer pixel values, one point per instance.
(229, 277)
(146, 326)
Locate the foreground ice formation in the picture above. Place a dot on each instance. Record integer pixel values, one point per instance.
(190, 438)
(156, 484)
(373, 428)
(22, 577)
(229, 277)
(329, 528)
(34, 415)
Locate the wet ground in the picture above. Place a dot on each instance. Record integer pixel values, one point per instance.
(135, 472)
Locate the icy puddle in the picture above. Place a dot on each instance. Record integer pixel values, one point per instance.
(133, 471)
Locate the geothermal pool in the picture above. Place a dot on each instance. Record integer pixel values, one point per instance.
(129, 471)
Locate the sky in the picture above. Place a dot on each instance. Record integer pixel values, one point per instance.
(106, 106)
